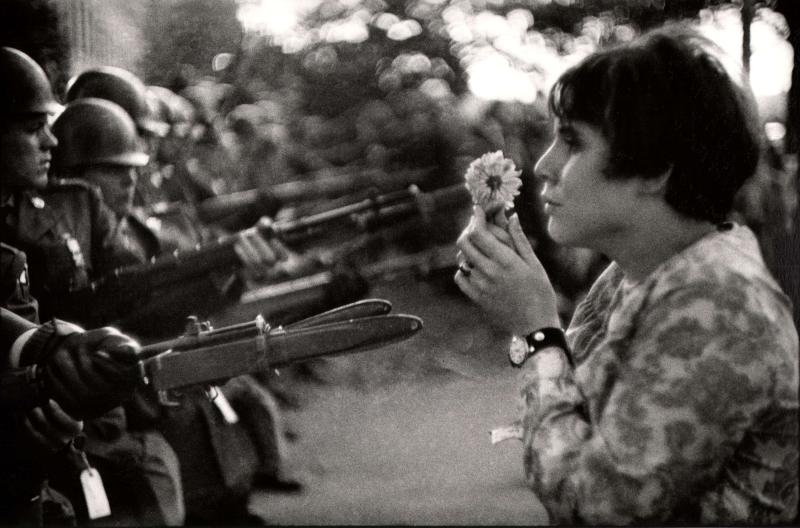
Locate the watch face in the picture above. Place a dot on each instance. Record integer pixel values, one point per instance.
(518, 351)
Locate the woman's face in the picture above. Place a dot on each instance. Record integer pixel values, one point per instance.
(583, 206)
(116, 183)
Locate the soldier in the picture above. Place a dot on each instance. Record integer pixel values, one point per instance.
(128, 91)
(173, 154)
(78, 380)
(84, 373)
(70, 237)
(97, 142)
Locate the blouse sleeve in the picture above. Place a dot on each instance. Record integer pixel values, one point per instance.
(663, 408)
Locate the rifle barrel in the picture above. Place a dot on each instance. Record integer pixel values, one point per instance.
(374, 211)
(323, 185)
(198, 337)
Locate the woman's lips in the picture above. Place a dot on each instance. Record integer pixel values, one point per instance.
(550, 205)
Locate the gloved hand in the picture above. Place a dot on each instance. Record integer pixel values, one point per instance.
(50, 427)
(89, 373)
(257, 252)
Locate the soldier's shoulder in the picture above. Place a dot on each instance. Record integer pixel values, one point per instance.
(68, 185)
(71, 189)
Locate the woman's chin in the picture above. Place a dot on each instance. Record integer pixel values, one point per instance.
(559, 233)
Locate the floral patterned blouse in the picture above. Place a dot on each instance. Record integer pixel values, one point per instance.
(683, 405)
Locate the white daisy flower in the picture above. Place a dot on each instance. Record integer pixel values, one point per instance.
(493, 181)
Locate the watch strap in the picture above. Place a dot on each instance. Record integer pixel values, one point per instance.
(546, 337)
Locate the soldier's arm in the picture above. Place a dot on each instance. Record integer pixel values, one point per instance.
(15, 287)
(85, 372)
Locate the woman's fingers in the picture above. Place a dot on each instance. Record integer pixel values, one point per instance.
(520, 240)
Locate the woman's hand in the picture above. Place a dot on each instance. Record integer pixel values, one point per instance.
(505, 279)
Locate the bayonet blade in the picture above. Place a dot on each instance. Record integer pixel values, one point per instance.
(280, 347)
(356, 310)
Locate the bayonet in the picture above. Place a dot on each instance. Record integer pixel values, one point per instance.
(205, 356)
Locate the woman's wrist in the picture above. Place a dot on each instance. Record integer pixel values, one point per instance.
(538, 319)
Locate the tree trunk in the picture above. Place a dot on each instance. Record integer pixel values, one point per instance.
(747, 20)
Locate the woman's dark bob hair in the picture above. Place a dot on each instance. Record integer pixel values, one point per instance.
(665, 103)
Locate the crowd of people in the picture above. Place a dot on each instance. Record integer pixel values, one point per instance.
(113, 173)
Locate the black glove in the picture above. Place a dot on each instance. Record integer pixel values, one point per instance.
(89, 373)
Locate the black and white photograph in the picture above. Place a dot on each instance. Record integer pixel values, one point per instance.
(399, 262)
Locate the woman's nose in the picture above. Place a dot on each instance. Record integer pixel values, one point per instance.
(546, 169)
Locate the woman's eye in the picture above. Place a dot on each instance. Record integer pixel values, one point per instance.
(571, 142)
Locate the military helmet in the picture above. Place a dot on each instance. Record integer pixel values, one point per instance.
(24, 87)
(121, 87)
(95, 131)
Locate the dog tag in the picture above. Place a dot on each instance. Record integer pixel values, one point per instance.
(95, 494)
(224, 407)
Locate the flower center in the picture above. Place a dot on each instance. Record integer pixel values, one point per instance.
(494, 182)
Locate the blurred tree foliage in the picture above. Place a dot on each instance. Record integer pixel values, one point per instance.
(405, 42)
(35, 27)
(790, 9)
(183, 36)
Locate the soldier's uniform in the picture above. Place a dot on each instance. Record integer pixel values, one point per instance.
(162, 312)
(15, 291)
(219, 455)
(21, 466)
(71, 237)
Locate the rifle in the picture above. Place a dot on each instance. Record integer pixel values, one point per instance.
(298, 296)
(206, 356)
(244, 207)
(111, 296)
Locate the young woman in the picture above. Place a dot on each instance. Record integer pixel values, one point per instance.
(673, 396)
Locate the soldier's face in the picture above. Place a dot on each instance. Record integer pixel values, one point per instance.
(117, 184)
(25, 145)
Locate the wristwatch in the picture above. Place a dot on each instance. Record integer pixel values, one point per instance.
(524, 347)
